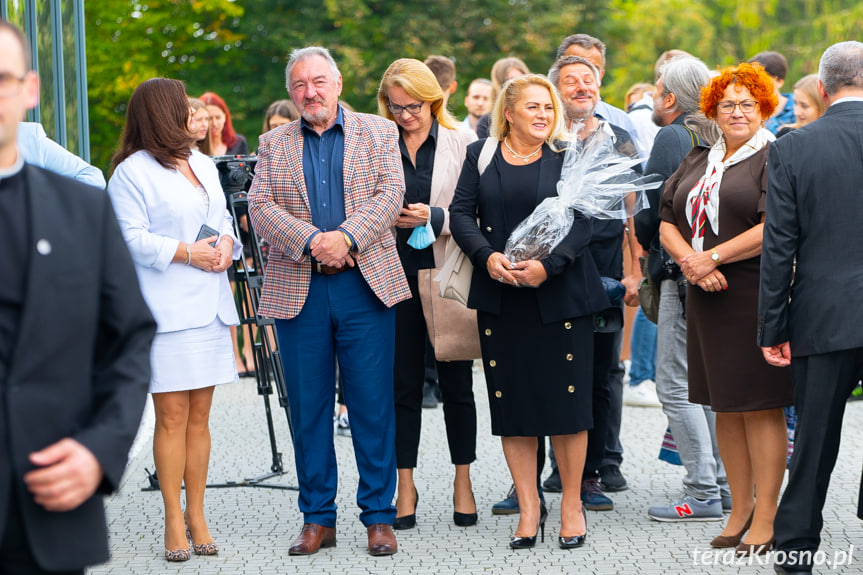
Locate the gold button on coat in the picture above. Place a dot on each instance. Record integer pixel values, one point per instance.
(488, 332)
(498, 394)
(567, 325)
(492, 363)
(571, 389)
(488, 228)
(569, 357)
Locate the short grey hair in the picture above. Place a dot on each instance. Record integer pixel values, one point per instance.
(554, 73)
(584, 41)
(684, 76)
(841, 66)
(301, 54)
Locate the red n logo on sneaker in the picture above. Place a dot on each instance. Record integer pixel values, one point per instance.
(683, 510)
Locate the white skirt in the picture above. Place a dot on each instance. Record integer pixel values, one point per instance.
(192, 358)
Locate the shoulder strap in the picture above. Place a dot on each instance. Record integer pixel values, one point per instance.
(693, 137)
(486, 154)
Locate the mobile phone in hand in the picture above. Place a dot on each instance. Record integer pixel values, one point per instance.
(207, 232)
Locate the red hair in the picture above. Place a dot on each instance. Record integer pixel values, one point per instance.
(229, 136)
(752, 77)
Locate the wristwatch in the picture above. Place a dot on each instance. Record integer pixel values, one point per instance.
(347, 239)
(714, 255)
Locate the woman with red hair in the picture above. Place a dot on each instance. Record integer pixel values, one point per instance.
(224, 141)
(712, 214)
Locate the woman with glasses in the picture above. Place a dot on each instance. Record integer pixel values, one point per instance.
(432, 148)
(712, 211)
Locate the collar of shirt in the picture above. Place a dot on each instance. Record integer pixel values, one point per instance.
(432, 136)
(340, 122)
(847, 99)
(14, 168)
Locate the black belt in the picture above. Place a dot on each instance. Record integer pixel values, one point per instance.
(320, 268)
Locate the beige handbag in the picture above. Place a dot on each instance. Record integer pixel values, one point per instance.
(455, 275)
(451, 326)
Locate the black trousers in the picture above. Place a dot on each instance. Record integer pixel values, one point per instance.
(456, 386)
(15, 555)
(822, 384)
(603, 356)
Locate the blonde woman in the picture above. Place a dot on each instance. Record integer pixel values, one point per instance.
(432, 147)
(536, 309)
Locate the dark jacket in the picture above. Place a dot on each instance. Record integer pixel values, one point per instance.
(573, 288)
(813, 214)
(81, 365)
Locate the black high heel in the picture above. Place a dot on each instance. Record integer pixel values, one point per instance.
(530, 542)
(408, 521)
(464, 519)
(575, 540)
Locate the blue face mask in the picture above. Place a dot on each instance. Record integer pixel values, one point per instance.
(423, 237)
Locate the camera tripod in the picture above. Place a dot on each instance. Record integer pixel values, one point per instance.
(248, 281)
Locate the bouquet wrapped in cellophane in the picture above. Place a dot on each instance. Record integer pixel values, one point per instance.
(596, 181)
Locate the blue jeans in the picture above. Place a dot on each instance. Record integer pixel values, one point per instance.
(643, 349)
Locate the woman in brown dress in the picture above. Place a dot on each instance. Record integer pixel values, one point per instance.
(712, 212)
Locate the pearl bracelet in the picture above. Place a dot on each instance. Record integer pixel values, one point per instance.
(188, 255)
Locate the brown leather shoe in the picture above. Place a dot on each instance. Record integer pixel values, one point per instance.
(312, 538)
(382, 540)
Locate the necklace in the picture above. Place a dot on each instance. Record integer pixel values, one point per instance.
(525, 158)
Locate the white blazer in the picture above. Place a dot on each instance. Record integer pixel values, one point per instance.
(159, 208)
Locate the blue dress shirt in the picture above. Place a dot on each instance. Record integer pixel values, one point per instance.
(323, 169)
(39, 150)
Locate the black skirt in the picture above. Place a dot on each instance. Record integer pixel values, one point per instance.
(538, 375)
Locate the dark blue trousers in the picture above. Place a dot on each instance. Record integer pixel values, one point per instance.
(341, 318)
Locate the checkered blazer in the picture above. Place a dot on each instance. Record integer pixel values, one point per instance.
(280, 213)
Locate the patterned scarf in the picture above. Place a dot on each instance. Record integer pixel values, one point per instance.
(703, 199)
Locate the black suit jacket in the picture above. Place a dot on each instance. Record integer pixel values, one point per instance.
(814, 212)
(81, 364)
(573, 288)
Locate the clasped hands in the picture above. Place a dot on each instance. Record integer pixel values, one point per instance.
(330, 249)
(529, 273)
(413, 216)
(212, 259)
(700, 269)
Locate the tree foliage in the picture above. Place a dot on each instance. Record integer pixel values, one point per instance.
(238, 48)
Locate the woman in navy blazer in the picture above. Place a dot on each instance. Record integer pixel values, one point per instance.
(534, 316)
(163, 194)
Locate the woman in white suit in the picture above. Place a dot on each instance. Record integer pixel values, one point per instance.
(433, 148)
(163, 194)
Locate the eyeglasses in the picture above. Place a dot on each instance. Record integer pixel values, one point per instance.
(413, 109)
(746, 106)
(10, 84)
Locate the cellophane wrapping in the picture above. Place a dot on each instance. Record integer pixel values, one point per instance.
(596, 181)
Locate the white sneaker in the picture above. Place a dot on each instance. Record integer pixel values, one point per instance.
(641, 395)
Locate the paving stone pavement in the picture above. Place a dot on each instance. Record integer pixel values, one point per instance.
(254, 526)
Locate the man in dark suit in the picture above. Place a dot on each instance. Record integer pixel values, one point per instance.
(810, 316)
(75, 339)
(327, 190)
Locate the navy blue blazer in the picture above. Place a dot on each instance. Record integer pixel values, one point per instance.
(478, 223)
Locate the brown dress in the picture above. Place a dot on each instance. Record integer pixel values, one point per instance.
(726, 368)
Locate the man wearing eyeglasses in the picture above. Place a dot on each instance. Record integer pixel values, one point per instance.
(327, 190)
(75, 338)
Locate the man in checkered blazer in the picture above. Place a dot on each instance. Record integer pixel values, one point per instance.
(326, 192)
